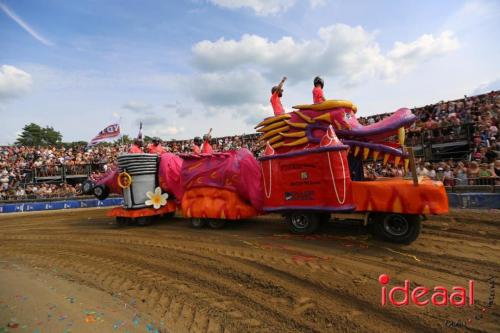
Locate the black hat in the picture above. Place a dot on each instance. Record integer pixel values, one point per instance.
(318, 80)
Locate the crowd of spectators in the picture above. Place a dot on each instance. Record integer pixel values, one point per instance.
(440, 122)
(40, 191)
(19, 164)
(448, 121)
(451, 173)
(221, 144)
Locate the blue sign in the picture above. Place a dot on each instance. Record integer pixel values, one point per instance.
(474, 200)
(55, 205)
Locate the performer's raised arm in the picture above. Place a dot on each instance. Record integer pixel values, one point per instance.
(277, 92)
(282, 82)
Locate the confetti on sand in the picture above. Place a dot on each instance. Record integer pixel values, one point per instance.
(403, 254)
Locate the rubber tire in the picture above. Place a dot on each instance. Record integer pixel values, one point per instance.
(88, 187)
(169, 215)
(197, 223)
(311, 223)
(324, 217)
(101, 192)
(414, 227)
(143, 221)
(216, 223)
(122, 221)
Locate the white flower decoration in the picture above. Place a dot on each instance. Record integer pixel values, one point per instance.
(156, 199)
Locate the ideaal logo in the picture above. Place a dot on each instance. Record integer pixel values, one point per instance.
(479, 315)
(440, 296)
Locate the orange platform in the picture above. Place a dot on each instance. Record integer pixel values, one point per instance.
(216, 203)
(400, 196)
(150, 211)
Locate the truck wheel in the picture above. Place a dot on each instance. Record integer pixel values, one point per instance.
(101, 192)
(169, 215)
(197, 223)
(302, 223)
(397, 228)
(87, 187)
(324, 217)
(122, 221)
(216, 223)
(144, 221)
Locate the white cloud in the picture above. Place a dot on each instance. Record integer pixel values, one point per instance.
(473, 14)
(181, 110)
(229, 88)
(351, 53)
(486, 87)
(408, 55)
(25, 25)
(14, 82)
(317, 3)
(155, 125)
(137, 106)
(260, 7)
(173, 130)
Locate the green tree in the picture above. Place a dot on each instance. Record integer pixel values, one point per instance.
(35, 135)
(51, 136)
(74, 144)
(125, 139)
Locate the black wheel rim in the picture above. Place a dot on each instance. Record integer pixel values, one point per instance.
(87, 187)
(196, 222)
(396, 225)
(299, 221)
(216, 223)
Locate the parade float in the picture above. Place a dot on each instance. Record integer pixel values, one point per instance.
(311, 168)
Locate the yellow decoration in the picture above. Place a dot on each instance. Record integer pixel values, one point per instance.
(356, 151)
(386, 158)
(300, 141)
(401, 136)
(296, 125)
(304, 117)
(325, 117)
(275, 139)
(273, 119)
(274, 132)
(272, 126)
(299, 134)
(124, 180)
(326, 105)
(366, 151)
(277, 145)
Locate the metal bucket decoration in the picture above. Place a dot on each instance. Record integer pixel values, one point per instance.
(138, 175)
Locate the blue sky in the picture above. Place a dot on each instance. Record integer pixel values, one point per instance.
(182, 67)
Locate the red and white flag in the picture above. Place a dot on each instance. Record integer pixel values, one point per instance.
(112, 131)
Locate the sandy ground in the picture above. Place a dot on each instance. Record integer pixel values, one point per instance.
(76, 271)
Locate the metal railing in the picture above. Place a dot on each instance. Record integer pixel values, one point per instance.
(478, 184)
(442, 143)
(42, 198)
(61, 172)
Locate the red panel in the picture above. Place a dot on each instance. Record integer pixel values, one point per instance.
(316, 180)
